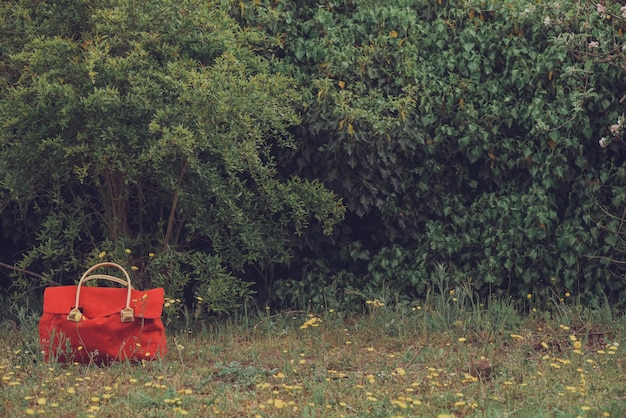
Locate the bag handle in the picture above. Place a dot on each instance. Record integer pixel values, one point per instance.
(127, 314)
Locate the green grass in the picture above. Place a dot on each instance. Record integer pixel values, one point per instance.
(445, 357)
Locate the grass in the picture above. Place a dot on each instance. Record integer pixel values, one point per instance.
(448, 357)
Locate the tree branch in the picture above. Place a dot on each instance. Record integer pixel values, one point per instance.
(170, 221)
(21, 270)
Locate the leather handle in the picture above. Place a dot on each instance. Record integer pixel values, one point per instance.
(127, 314)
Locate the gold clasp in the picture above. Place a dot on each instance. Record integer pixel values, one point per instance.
(128, 315)
(75, 315)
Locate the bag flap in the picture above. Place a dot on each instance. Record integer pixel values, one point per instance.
(103, 301)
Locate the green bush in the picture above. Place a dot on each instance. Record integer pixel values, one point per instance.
(128, 129)
(464, 133)
(480, 135)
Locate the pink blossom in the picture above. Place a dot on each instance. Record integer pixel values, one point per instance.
(614, 129)
(601, 8)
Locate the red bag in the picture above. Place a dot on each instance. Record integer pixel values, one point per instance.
(101, 324)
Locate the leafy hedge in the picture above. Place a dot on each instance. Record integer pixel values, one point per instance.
(484, 136)
(462, 133)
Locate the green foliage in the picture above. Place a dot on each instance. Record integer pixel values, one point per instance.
(462, 133)
(482, 136)
(151, 127)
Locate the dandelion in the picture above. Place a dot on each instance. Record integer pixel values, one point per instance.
(313, 321)
(151, 255)
(577, 345)
(134, 268)
(127, 251)
(399, 403)
(102, 254)
(375, 303)
(529, 296)
(41, 401)
(462, 339)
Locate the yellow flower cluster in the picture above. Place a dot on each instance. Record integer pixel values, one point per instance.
(313, 321)
(375, 303)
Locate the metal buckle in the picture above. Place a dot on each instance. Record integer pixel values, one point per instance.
(75, 315)
(127, 315)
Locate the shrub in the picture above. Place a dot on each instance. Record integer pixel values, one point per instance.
(463, 133)
(150, 127)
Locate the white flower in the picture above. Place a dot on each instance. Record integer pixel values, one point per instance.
(604, 142)
(593, 44)
(547, 21)
(601, 8)
(614, 129)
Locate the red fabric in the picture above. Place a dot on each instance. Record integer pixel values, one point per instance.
(100, 334)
